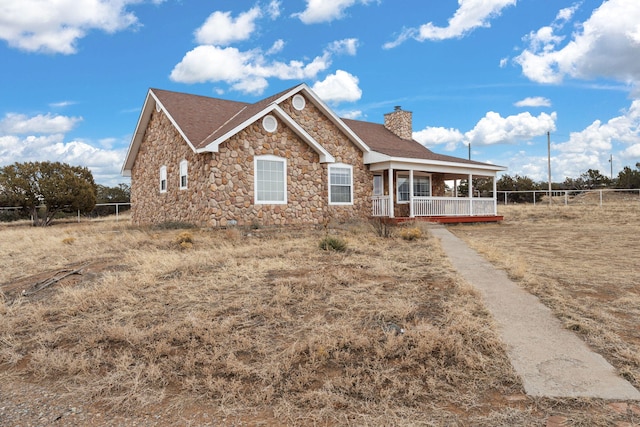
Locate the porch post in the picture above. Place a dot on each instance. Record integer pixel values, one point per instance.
(411, 213)
(470, 194)
(391, 215)
(455, 188)
(495, 196)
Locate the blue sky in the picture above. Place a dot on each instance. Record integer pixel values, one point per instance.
(496, 74)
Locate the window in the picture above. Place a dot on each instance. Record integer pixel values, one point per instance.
(163, 179)
(270, 175)
(183, 174)
(421, 187)
(340, 185)
(298, 102)
(378, 185)
(269, 123)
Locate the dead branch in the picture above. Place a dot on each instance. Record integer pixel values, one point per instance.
(55, 278)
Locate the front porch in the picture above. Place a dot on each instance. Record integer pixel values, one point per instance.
(446, 210)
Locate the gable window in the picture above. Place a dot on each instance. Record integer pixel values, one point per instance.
(163, 179)
(421, 187)
(340, 184)
(183, 174)
(270, 176)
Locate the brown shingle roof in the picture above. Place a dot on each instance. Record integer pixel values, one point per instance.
(204, 119)
(198, 116)
(382, 140)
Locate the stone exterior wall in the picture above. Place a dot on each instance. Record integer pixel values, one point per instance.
(400, 122)
(437, 185)
(161, 146)
(221, 185)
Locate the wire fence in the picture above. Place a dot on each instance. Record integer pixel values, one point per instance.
(10, 213)
(570, 197)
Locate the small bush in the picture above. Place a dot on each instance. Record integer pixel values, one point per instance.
(412, 233)
(184, 240)
(381, 227)
(331, 243)
(68, 240)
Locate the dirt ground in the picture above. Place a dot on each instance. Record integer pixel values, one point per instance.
(166, 327)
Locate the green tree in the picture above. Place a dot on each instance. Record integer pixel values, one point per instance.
(119, 194)
(518, 183)
(53, 185)
(629, 178)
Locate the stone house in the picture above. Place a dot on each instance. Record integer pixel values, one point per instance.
(287, 159)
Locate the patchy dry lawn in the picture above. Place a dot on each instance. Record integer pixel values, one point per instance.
(582, 262)
(262, 326)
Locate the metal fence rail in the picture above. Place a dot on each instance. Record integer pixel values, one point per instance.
(566, 197)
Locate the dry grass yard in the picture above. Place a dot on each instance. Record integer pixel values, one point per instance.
(262, 327)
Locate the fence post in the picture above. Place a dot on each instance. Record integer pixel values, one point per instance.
(117, 204)
(600, 198)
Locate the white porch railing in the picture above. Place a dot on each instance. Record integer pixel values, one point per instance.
(440, 206)
(454, 206)
(381, 206)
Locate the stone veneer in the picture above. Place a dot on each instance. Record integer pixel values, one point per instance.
(400, 122)
(221, 185)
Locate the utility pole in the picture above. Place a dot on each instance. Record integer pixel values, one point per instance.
(549, 162)
(611, 161)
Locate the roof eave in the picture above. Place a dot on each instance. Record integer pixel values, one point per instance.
(435, 165)
(150, 102)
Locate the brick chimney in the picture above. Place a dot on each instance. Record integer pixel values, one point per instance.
(399, 122)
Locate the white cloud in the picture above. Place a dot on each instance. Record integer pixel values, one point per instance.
(470, 15)
(606, 45)
(276, 47)
(345, 46)
(495, 129)
(221, 29)
(535, 101)
(338, 87)
(589, 148)
(21, 124)
(245, 71)
(353, 114)
(42, 138)
(56, 26)
(325, 10)
(432, 136)
(273, 9)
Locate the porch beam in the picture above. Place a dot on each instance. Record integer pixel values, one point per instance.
(411, 213)
(470, 194)
(495, 196)
(391, 191)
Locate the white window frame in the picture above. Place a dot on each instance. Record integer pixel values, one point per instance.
(163, 179)
(184, 173)
(341, 166)
(256, 184)
(400, 180)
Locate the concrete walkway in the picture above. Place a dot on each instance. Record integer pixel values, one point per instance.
(551, 360)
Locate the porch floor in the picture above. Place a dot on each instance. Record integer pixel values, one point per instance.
(445, 219)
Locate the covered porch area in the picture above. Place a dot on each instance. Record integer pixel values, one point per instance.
(413, 191)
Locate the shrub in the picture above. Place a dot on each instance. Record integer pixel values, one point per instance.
(412, 233)
(331, 243)
(68, 240)
(184, 240)
(381, 227)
